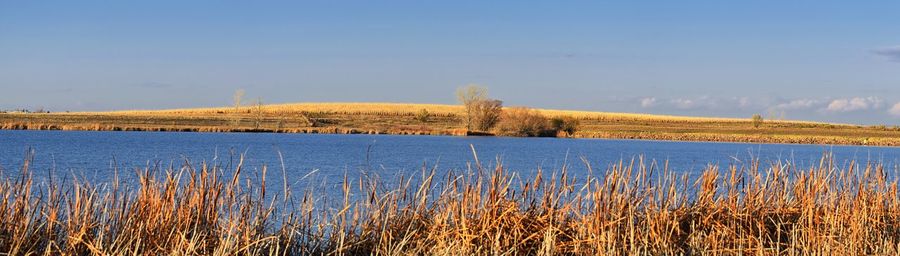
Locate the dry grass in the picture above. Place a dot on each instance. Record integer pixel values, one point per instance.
(395, 109)
(630, 208)
(401, 119)
(409, 109)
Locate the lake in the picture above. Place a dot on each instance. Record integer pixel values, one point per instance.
(329, 157)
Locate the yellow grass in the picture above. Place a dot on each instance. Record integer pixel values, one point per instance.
(412, 108)
(402, 119)
(323, 107)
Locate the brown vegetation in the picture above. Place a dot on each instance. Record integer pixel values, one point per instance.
(485, 114)
(757, 120)
(523, 122)
(631, 208)
(481, 112)
(386, 118)
(564, 126)
(423, 116)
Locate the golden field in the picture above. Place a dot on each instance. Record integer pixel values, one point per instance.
(409, 109)
(400, 118)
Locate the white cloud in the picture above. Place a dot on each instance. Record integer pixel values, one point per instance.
(798, 104)
(854, 104)
(792, 106)
(703, 102)
(648, 102)
(895, 110)
(684, 103)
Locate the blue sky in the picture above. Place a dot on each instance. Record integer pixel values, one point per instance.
(817, 60)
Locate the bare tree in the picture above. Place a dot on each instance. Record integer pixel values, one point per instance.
(259, 110)
(467, 96)
(482, 113)
(238, 96)
(485, 114)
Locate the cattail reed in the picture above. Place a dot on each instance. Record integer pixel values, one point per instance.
(632, 207)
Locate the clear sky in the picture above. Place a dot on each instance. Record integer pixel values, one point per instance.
(817, 60)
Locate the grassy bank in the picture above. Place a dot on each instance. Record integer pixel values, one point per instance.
(389, 118)
(630, 208)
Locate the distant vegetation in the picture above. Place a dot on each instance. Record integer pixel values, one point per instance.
(477, 114)
(526, 122)
(523, 122)
(631, 208)
(237, 98)
(482, 113)
(757, 120)
(423, 115)
(38, 110)
(566, 125)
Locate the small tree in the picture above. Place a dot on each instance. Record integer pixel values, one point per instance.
(237, 97)
(259, 111)
(757, 120)
(482, 113)
(485, 114)
(423, 115)
(469, 96)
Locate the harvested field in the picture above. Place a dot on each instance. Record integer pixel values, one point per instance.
(397, 118)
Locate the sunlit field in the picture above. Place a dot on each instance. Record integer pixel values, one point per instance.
(411, 109)
(396, 118)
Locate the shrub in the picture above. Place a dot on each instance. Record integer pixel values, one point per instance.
(523, 122)
(482, 113)
(423, 115)
(757, 120)
(566, 124)
(486, 114)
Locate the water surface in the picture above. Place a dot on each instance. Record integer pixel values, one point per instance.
(93, 155)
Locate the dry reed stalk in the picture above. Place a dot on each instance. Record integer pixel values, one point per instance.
(632, 207)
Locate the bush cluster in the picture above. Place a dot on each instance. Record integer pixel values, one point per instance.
(423, 115)
(526, 122)
(522, 122)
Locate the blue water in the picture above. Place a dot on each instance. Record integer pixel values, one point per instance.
(93, 155)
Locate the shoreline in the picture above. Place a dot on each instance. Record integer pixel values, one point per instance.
(446, 120)
(760, 139)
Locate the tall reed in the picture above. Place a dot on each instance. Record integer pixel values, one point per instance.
(629, 208)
